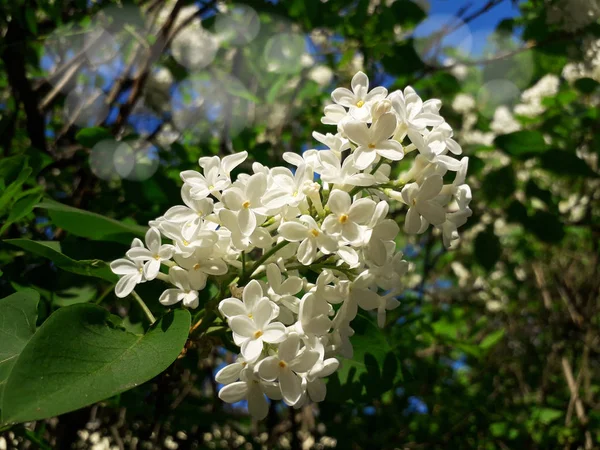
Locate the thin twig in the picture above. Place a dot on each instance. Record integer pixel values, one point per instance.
(145, 308)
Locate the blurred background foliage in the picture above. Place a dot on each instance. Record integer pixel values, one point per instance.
(496, 343)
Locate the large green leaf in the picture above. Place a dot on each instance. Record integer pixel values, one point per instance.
(373, 369)
(522, 144)
(566, 163)
(21, 208)
(51, 250)
(18, 313)
(91, 225)
(88, 137)
(79, 357)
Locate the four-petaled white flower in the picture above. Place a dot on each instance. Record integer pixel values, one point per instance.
(153, 255)
(285, 367)
(253, 389)
(251, 333)
(252, 295)
(422, 206)
(347, 216)
(183, 292)
(311, 238)
(375, 140)
(131, 271)
(359, 99)
(247, 201)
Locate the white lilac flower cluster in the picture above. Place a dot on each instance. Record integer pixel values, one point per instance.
(261, 234)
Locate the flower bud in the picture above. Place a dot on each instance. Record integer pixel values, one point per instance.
(380, 108)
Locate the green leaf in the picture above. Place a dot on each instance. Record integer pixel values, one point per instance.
(565, 163)
(492, 339)
(88, 137)
(275, 88)
(547, 415)
(91, 225)
(31, 20)
(74, 295)
(79, 357)
(374, 365)
(10, 168)
(21, 208)
(51, 250)
(18, 313)
(586, 85)
(487, 249)
(522, 144)
(13, 189)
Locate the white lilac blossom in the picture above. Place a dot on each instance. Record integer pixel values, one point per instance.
(295, 252)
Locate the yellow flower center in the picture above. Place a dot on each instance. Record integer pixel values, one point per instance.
(186, 243)
(196, 266)
(372, 146)
(156, 257)
(246, 204)
(258, 334)
(343, 218)
(282, 364)
(141, 270)
(250, 316)
(314, 232)
(360, 103)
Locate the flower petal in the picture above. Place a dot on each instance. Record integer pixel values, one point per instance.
(243, 325)
(231, 307)
(230, 373)
(304, 362)
(361, 210)
(252, 348)
(268, 368)
(262, 313)
(343, 96)
(357, 132)
(246, 221)
(123, 266)
(125, 285)
(339, 202)
(291, 387)
(257, 403)
(384, 127)
(170, 297)
(274, 333)
(153, 240)
(412, 223)
(364, 157)
(151, 269)
(317, 390)
(234, 392)
(292, 231)
(288, 349)
(252, 294)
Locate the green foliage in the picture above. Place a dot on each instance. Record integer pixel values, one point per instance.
(90, 225)
(79, 356)
(52, 251)
(522, 144)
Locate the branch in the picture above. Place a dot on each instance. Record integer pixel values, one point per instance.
(573, 388)
(13, 57)
(140, 81)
